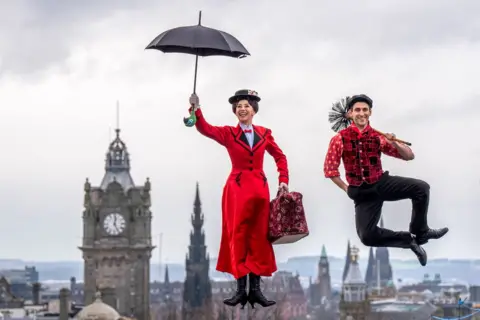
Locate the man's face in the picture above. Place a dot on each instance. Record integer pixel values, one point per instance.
(360, 113)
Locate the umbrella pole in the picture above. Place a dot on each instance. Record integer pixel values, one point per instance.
(196, 57)
(195, 75)
(190, 121)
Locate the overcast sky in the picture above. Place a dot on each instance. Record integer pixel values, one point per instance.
(64, 64)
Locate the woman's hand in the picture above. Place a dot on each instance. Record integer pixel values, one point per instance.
(194, 101)
(283, 187)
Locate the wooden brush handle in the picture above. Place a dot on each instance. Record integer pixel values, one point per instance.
(394, 139)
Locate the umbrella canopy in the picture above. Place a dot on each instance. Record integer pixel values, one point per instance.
(199, 40)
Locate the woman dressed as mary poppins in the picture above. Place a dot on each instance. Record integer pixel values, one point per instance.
(245, 250)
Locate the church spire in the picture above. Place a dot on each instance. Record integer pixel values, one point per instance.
(197, 248)
(197, 290)
(370, 275)
(324, 252)
(197, 217)
(167, 277)
(383, 268)
(197, 202)
(117, 162)
(347, 261)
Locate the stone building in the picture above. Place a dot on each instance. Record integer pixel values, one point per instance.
(354, 303)
(117, 240)
(21, 281)
(7, 297)
(98, 310)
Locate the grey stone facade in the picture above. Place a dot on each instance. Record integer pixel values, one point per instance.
(117, 240)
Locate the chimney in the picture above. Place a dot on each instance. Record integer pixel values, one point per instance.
(36, 293)
(64, 304)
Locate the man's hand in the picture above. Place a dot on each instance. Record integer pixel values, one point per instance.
(390, 137)
(194, 101)
(340, 183)
(283, 187)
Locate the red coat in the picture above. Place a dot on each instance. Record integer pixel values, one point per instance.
(245, 246)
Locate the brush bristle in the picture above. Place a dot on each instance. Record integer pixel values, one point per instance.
(338, 116)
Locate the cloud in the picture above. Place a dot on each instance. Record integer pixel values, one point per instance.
(39, 35)
(418, 61)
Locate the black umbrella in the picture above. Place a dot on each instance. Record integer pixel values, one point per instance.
(199, 41)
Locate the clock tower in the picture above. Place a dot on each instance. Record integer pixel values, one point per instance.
(323, 280)
(117, 242)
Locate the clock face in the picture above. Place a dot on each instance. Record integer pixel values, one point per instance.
(114, 224)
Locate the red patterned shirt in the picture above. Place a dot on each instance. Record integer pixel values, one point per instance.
(361, 154)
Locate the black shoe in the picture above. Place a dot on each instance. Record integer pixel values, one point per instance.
(423, 237)
(240, 296)
(255, 294)
(419, 252)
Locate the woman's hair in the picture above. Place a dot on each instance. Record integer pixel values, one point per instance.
(251, 102)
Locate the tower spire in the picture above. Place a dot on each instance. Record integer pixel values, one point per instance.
(347, 261)
(324, 252)
(117, 162)
(197, 236)
(197, 217)
(167, 276)
(117, 129)
(197, 288)
(383, 267)
(323, 287)
(197, 196)
(371, 268)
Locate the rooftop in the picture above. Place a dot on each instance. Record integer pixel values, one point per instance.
(393, 305)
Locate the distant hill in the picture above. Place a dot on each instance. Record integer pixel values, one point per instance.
(408, 270)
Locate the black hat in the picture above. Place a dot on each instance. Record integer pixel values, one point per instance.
(359, 98)
(244, 94)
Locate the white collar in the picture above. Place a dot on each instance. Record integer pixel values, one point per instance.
(243, 126)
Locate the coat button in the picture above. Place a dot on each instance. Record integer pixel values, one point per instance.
(251, 153)
(251, 161)
(251, 169)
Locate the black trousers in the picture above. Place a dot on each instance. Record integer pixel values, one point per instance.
(369, 200)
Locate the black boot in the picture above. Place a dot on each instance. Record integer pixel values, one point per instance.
(419, 252)
(240, 296)
(255, 294)
(423, 237)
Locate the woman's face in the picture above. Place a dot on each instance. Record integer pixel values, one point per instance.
(244, 111)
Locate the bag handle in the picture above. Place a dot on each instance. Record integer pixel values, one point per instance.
(281, 191)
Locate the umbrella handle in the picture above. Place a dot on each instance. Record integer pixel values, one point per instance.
(394, 139)
(191, 120)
